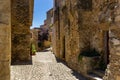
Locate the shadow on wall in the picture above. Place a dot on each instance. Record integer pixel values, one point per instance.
(47, 49)
(73, 72)
(29, 62)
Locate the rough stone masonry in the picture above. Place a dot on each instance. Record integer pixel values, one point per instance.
(5, 39)
(15, 17)
(22, 12)
(76, 28)
(83, 24)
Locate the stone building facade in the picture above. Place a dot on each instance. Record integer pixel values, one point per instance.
(113, 69)
(21, 21)
(15, 18)
(5, 39)
(49, 22)
(46, 31)
(43, 37)
(81, 25)
(34, 37)
(73, 27)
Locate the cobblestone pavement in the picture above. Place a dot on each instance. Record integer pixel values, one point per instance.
(44, 67)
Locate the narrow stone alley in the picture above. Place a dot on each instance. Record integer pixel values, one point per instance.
(44, 66)
(83, 33)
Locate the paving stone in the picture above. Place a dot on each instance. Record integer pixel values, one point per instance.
(44, 67)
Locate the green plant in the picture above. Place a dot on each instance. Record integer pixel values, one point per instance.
(88, 53)
(33, 49)
(51, 25)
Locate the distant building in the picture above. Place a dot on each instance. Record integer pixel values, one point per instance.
(34, 37)
(44, 39)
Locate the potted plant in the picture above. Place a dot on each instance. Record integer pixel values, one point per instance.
(33, 49)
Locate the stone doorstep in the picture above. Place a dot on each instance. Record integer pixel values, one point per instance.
(99, 73)
(95, 75)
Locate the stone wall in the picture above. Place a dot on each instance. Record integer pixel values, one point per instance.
(49, 18)
(49, 22)
(81, 25)
(21, 22)
(113, 69)
(76, 29)
(5, 39)
(56, 15)
(79, 28)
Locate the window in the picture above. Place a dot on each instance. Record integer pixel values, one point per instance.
(86, 4)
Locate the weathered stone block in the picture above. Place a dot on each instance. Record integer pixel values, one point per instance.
(21, 22)
(5, 39)
(118, 78)
(5, 70)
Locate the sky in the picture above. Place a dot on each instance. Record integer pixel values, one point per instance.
(40, 9)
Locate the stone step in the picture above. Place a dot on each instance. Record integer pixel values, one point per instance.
(93, 76)
(99, 72)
